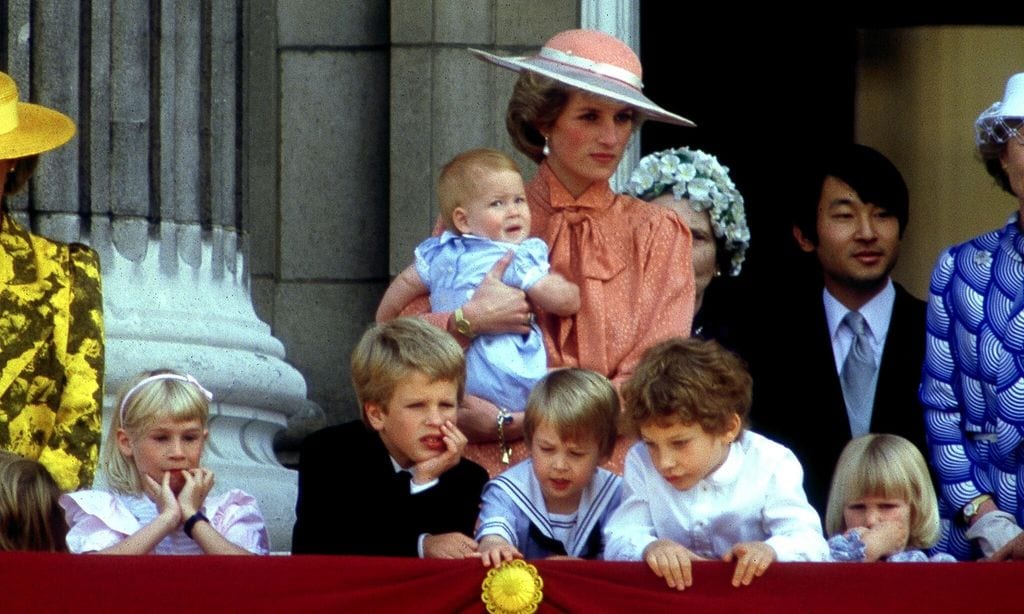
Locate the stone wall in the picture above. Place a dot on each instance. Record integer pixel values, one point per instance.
(362, 103)
(319, 216)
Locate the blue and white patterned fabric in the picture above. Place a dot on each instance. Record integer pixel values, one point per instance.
(973, 382)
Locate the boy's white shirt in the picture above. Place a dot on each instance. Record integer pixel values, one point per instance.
(756, 495)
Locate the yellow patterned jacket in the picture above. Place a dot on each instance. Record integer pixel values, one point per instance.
(51, 353)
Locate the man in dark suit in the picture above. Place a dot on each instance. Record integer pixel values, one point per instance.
(845, 358)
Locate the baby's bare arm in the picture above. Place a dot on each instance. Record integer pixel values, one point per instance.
(555, 294)
(405, 288)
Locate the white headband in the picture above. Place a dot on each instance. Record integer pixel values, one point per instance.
(160, 376)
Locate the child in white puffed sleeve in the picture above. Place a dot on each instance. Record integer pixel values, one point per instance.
(698, 485)
(160, 499)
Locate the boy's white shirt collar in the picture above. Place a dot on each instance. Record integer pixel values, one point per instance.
(593, 501)
(413, 486)
(729, 472)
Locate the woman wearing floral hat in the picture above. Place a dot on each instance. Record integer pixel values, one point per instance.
(573, 110)
(973, 382)
(698, 189)
(51, 322)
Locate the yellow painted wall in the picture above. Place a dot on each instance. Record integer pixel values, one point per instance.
(919, 92)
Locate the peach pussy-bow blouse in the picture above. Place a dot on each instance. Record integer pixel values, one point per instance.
(631, 261)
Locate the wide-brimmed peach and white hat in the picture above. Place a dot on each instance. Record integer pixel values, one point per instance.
(27, 129)
(593, 62)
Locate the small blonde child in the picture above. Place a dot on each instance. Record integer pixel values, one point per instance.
(882, 505)
(160, 499)
(30, 517)
(483, 205)
(557, 502)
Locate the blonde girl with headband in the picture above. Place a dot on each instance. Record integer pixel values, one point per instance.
(160, 500)
(882, 505)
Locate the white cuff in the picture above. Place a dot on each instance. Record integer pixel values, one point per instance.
(416, 489)
(993, 531)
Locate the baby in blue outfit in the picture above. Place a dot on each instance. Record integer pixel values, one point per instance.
(483, 204)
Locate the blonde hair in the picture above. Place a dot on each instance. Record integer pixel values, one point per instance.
(889, 466)
(138, 407)
(30, 516)
(578, 403)
(390, 352)
(461, 174)
(691, 380)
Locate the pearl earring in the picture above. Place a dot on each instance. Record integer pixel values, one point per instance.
(547, 150)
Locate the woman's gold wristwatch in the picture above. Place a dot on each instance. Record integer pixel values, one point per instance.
(973, 506)
(462, 325)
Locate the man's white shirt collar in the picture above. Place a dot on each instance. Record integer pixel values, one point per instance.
(877, 314)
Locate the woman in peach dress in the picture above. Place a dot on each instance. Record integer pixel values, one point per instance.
(572, 111)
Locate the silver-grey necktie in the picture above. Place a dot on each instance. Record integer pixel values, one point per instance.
(858, 376)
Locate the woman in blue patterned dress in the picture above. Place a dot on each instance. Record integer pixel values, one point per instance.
(973, 382)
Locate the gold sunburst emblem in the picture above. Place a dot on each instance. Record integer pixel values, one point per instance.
(513, 588)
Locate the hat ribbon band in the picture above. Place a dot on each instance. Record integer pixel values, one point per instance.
(608, 70)
(9, 116)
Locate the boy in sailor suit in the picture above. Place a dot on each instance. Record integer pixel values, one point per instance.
(556, 502)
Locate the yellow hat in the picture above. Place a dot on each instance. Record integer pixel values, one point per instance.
(27, 129)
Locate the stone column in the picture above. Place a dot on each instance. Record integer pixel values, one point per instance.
(621, 19)
(444, 101)
(152, 182)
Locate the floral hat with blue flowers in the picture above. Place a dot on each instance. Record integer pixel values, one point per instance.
(700, 178)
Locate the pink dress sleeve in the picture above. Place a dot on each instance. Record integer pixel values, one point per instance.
(97, 520)
(236, 515)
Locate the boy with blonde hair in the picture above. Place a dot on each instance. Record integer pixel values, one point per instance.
(556, 502)
(698, 485)
(410, 491)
